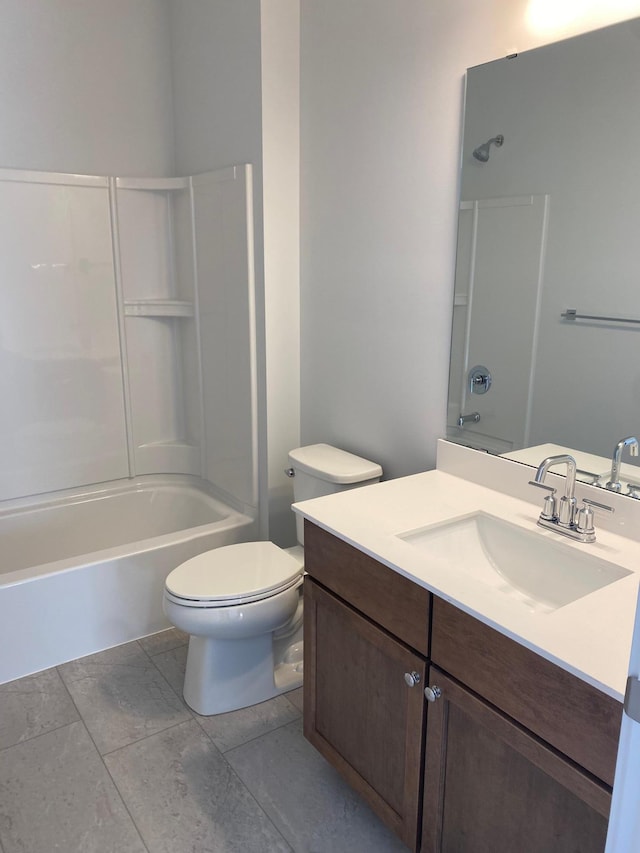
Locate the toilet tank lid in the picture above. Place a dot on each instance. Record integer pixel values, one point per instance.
(333, 465)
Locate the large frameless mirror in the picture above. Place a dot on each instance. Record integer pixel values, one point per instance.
(546, 328)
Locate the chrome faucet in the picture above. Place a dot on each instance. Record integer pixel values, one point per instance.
(632, 443)
(561, 515)
(567, 509)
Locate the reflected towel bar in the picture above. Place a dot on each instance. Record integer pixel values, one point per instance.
(572, 314)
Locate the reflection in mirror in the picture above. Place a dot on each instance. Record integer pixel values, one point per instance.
(546, 328)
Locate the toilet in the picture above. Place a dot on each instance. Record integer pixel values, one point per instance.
(242, 604)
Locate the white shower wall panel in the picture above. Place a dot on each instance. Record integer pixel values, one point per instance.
(144, 244)
(155, 379)
(225, 276)
(127, 331)
(155, 231)
(161, 388)
(63, 418)
(148, 245)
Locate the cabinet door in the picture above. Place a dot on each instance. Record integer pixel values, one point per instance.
(359, 711)
(492, 787)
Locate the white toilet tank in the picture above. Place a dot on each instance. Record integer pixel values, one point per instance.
(320, 469)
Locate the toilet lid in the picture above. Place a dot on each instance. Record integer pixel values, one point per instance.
(246, 571)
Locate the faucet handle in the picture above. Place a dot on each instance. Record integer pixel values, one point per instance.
(543, 486)
(598, 505)
(550, 507)
(584, 518)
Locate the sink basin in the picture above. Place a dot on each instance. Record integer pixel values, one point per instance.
(533, 570)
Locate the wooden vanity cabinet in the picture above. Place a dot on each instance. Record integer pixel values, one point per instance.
(575, 718)
(359, 711)
(490, 786)
(516, 754)
(520, 754)
(390, 600)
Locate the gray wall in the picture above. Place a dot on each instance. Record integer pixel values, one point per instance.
(215, 50)
(374, 292)
(86, 87)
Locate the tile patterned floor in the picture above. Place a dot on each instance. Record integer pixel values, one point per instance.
(101, 755)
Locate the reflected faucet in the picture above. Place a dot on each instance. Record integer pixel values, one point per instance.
(632, 443)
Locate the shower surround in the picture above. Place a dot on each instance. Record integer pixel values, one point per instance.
(127, 351)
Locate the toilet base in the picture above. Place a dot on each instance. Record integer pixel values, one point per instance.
(226, 675)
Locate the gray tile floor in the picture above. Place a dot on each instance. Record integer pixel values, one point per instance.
(101, 755)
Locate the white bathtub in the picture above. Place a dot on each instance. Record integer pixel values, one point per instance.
(83, 570)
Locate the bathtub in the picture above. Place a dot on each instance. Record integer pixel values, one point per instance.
(83, 570)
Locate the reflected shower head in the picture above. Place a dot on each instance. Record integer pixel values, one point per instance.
(481, 153)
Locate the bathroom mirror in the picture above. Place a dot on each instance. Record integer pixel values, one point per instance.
(546, 327)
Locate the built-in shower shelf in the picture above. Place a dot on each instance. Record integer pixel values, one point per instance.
(158, 308)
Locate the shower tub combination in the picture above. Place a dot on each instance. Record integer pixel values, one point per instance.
(83, 570)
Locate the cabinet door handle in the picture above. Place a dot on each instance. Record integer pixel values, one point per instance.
(412, 678)
(432, 693)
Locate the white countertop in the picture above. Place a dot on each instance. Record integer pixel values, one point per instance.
(590, 637)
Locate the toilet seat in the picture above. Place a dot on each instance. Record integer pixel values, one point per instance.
(232, 575)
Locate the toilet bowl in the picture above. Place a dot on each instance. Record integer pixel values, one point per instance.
(242, 604)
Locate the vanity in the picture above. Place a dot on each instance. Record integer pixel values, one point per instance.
(464, 669)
